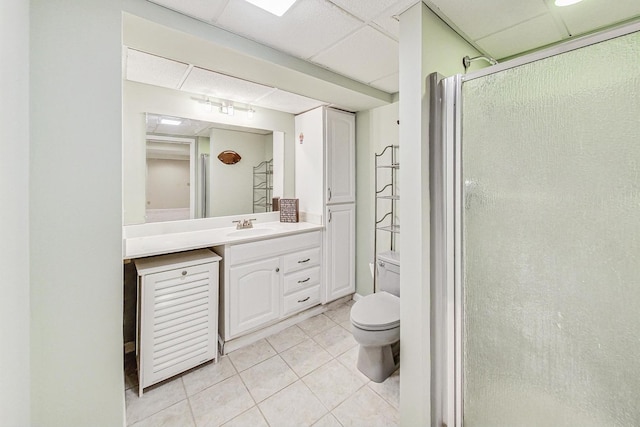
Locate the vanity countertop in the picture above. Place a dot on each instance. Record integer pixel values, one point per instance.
(159, 244)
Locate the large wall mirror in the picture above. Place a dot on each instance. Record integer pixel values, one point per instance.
(170, 162)
(185, 179)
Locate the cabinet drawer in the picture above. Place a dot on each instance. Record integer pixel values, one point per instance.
(300, 300)
(301, 279)
(246, 252)
(300, 260)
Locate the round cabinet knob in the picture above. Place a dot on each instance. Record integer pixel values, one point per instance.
(184, 273)
(277, 269)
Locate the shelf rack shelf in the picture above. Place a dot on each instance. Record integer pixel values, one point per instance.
(386, 198)
(263, 186)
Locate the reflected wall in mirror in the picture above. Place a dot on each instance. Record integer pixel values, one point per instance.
(222, 197)
(171, 170)
(185, 179)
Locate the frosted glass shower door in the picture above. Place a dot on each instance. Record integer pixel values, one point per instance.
(551, 241)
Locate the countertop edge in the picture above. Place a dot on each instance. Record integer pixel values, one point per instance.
(202, 239)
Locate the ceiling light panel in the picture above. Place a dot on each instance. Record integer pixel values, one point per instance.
(275, 7)
(589, 15)
(307, 28)
(532, 34)
(355, 57)
(154, 70)
(220, 86)
(288, 102)
(204, 10)
(478, 19)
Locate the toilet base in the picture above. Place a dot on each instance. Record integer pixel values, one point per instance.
(378, 363)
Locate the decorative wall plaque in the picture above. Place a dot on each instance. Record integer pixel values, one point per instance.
(229, 157)
(288, 210)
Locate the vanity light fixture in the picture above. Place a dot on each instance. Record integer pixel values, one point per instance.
(566, 2)
(207, 106)
(169, 121)
(226, 109)
(276, 7)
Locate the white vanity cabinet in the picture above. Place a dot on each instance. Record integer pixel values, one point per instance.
(325, 185)
(177, 314)
(268, 280)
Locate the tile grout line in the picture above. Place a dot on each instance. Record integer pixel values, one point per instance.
(193, 417)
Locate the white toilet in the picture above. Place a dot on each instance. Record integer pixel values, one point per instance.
(375, 321)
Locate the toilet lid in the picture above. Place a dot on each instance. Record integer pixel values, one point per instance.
(376, 312)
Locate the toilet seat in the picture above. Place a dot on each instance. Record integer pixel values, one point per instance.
(376, 312)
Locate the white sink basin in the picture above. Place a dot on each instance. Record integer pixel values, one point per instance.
(251, 232)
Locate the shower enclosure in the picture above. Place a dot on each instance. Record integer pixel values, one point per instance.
(536, 297)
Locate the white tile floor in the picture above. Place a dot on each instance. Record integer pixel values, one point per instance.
(305, 375)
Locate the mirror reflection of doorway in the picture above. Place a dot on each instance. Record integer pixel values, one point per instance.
(170, 175)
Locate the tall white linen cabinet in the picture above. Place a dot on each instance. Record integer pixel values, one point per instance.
(326, 187)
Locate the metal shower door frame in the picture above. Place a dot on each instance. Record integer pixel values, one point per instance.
(446, 188)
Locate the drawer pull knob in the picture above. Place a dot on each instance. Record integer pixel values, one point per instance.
(184, 273)
(305, 280)
(304, 260)
(303, 300)
(277, 269)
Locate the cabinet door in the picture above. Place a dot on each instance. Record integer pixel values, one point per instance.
(254, 295)
(178, 322)
(340, 244)
(341, 157)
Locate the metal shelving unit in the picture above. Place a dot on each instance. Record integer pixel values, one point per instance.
(263, 187)
(386, 198)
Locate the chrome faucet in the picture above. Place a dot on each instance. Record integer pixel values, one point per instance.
(244, 223)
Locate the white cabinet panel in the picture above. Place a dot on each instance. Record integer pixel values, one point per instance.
(340, 157)
(301, 260)
(301, 300)
(340, 251)
(301, 279)
(254, 292)
(177, 314)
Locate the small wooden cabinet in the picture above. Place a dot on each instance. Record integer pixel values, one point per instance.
(265, 281)
(177, 314)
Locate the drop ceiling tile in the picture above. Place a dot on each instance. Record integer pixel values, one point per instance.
(366, 55)
(154, 70)
(589, 15)
(390, 84)
(223, 87)
(388, 20)
(307, 28)
(365, 9)
(390, 25)
(204, 10)
(478, 19)
(529, 35)
(288, 102)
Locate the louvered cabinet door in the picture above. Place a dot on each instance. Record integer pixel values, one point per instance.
(178, 323)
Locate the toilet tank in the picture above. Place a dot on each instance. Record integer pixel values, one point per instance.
(388, 272)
